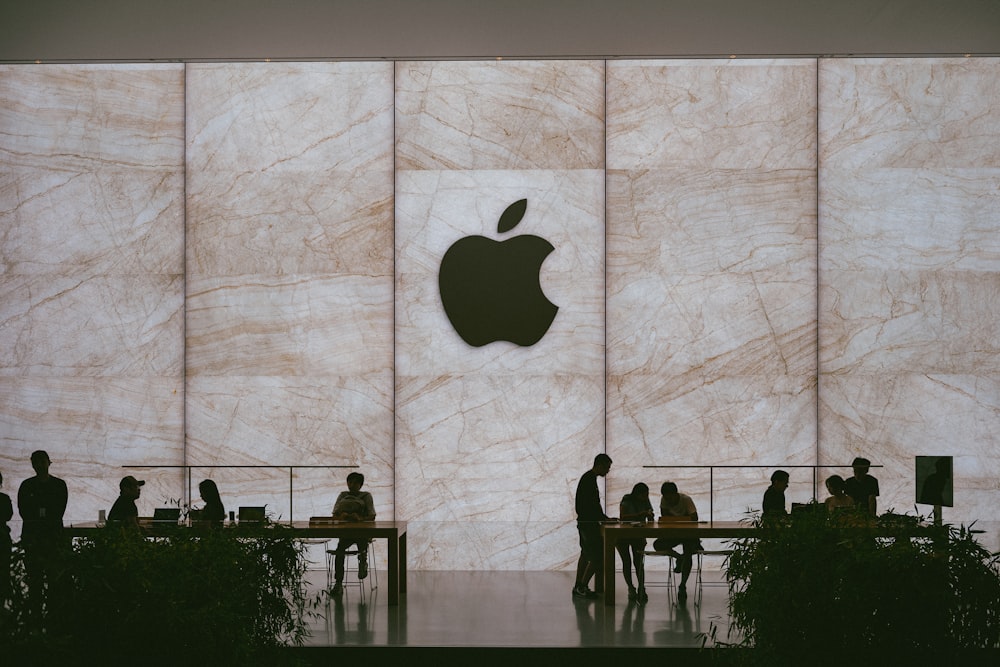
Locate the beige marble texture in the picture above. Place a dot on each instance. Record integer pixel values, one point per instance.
(91, 291)
(289, 278)
(910, 271)
(492, 439)
(758, 263)
(292, 420)
(494, 434)
(500, 115)
(711, 291)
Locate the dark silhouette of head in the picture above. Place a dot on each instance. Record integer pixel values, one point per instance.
(209, 491)
(40, 462)
(835, 484)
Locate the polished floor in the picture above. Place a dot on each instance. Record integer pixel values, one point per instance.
(516, 609)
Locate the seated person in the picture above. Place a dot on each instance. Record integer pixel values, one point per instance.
(214, 512)
(774, 496)
(124, 512)
(352, 505)
(635, 507)
(838, 498)
(676, 506)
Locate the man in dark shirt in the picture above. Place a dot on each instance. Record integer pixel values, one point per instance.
(41, 502)
(589, 514)
(124, 512)
(774, 497)
(862, 487)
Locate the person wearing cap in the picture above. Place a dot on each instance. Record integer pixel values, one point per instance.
(124, 512)
(862, 487)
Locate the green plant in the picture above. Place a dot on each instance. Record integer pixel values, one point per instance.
(838, 583)
(221, 596)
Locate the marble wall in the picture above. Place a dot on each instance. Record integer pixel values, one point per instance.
(909, 174)
(92, 307)
(711, 275)
(756, 263)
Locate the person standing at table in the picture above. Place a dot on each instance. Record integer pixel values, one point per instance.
(676, 506)
(589, 515)
(635, 507)
(214, 512)
(41, 502)
(124, 512)
(6, 545)
(352, 505)
(774, 496)
(862, 487)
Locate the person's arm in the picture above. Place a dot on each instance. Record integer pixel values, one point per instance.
(338, 512)
(6, 509)
(692, 514)
(873, 496)
(369, 508)
(62, 500)
(26, 502)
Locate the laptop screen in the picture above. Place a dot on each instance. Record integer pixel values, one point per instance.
(251, 514)
(171, 514)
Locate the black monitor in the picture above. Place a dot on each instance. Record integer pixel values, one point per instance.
(935, 483)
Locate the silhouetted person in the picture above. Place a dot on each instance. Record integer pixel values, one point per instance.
(774, 497)
(932, 492)
(6, 545)
(838, 498)
(635, 506)
(41, 502)
(862, 487)
(214, 512)
(676, 506)
(352, 505)
(589, 515)
(124, 512)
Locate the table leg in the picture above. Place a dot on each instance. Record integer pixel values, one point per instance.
(402, 564)
(609, 569)
(393, 541)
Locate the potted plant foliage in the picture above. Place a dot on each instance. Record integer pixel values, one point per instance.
(215, 596)
(822, 588)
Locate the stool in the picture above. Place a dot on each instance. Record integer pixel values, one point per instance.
(711, 552)
(372, 578)
(669, 582)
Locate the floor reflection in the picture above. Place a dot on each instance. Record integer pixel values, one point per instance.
(532, 609)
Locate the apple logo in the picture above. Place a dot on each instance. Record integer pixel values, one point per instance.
(491, 290)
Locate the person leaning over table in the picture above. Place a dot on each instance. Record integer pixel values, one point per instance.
(352, 505)
(676, 506)
(589, 515)
(774, 497)
(635, 506)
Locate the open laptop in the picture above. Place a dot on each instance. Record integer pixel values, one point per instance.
(251, 514)
(166, 514)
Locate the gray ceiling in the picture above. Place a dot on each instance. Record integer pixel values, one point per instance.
(169, 30)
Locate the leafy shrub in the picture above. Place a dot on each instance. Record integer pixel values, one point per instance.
(837, 584)
(213, 595)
